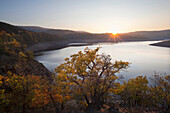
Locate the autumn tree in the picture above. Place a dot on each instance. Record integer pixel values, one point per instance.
(134, 92)
(49, 93)
(90, 75)
(159, 91)
(16, 92)
(21, 93)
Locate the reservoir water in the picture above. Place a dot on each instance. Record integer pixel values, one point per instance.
(145, 59)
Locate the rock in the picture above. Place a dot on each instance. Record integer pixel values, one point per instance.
(72, 107)
(32, 67)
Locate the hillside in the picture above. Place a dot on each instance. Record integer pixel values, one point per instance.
(28, 37)
(59, 32)
(19, 90)
(152, 35)
(75, 36)
(39, 38)
(13, 55)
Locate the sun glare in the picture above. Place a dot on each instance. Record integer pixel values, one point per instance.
(114, 33)
(114, 36)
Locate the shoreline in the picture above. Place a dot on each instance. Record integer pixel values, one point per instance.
(162, 44)
(55, 45)
(35, 48)
(37, 53)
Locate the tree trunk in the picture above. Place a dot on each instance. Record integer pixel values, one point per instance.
(62, 106)
(90, 108)
(86, 99)
(56, 109)
(23, 108)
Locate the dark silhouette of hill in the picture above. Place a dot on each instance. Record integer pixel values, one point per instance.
(34, 28)
(38, 38)
(13, 40)
(49, 30)
(75, 36)
(59, 32)
(70, 35)
(162, 44)
(155, 35)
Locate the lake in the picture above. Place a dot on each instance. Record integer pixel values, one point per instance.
(144, 59)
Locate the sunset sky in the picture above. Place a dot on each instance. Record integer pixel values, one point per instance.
(96, 16)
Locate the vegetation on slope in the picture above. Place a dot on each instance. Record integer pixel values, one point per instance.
(85, 83)
(27, 37)
(14, 57)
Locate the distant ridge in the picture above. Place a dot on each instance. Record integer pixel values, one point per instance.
(28, 37)
(59, 38)
(150, 35)
(9, 28)
(60, 32)
(43, 29)
(38, 28)
(85, 37)
(33, 28)
(81, 36)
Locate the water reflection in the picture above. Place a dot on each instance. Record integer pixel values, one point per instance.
(145, 59)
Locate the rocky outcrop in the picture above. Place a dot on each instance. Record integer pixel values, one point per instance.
(28, 67)
(32, 67)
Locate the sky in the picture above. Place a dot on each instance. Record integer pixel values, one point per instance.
(95, 16)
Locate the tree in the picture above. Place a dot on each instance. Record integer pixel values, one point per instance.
(16, 92)
(159, 91)
(90, 75)
(19, 93)
(134, 91)
(47, 93)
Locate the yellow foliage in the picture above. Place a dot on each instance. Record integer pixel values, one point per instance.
(89, 73)
(22, 54)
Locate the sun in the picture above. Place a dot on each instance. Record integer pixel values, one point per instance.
(114, 33)
(114, 36)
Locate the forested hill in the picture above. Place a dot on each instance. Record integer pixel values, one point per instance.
(27, 37)
(10, 28)
(13, 55)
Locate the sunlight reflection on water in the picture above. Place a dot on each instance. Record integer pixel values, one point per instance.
(145, 59)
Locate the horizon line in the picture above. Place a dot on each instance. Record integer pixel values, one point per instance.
(44, 27)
